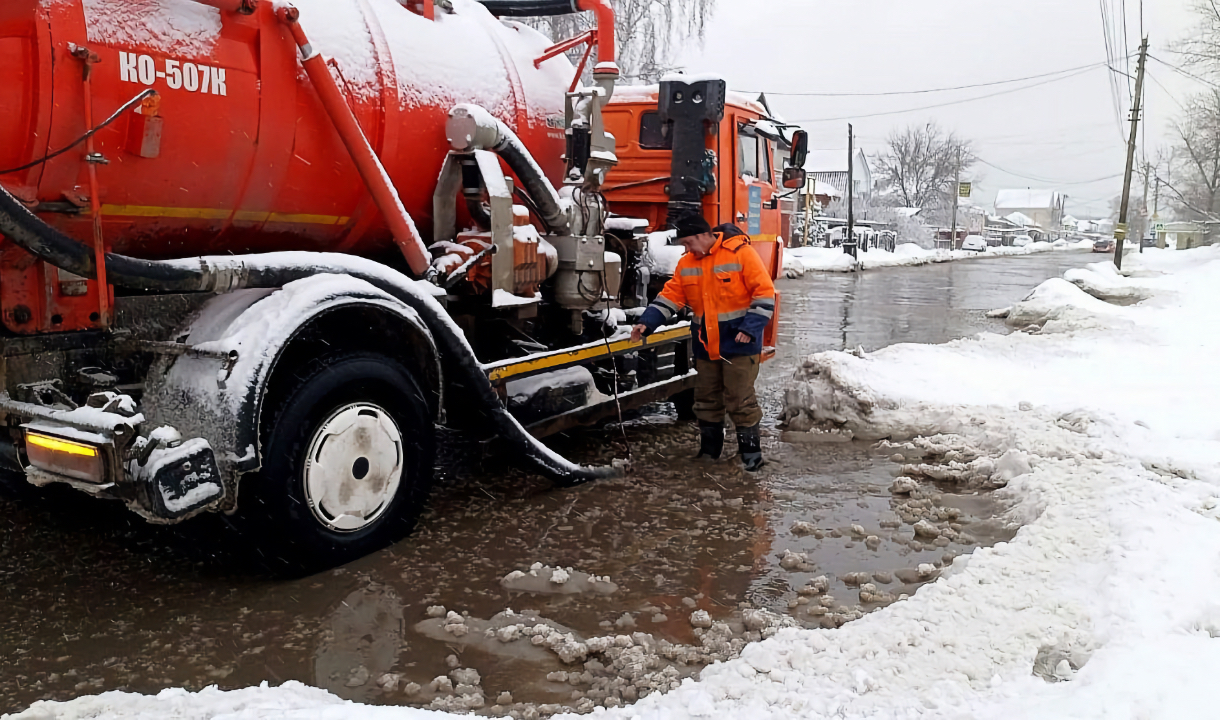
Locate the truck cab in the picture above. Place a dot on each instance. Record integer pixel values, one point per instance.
(743, 169)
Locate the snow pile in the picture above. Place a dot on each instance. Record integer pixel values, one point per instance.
(419, 54)
(1111, 581)
(1101, 426)
(1103, 281)
(662, 257)
(173, 27)
(798, 261)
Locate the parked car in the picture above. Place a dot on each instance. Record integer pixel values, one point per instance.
(976, 243)
(1022, 241)
(1148, 241)
(1104, 245)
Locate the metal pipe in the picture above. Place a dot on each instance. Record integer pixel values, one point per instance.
(92, 158)
(367, 163)
(603, 13)
(606, 46)
(243, 7)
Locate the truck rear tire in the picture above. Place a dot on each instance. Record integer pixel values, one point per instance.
(348, 450)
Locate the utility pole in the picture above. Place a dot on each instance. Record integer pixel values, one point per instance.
(1120, 232)
(957, 190)
(849, 245)
(810, 197)
(1145, 224)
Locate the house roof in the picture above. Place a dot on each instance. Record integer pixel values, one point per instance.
(830, 161)
(1026, 198)
(1021, 219)
(825, 188)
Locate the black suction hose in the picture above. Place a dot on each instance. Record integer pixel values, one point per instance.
(536, 183)
(530, 8)
(24, 228)
(478, 212)
(274, 270)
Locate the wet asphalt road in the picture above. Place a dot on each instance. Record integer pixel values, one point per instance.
(94, 599)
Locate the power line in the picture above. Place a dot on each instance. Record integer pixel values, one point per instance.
(1185, 201)
(1180, 71)
(929, 90)
(1126, 45)
(1115, 95)
(947, 104)
(1165, 89)
(1045, 180)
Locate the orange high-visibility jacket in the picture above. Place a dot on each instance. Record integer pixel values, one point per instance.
(729, 291)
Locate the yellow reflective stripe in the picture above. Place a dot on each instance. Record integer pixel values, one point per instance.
(691, 272)
(727, 316)
(572, 357)
(727, 267)
(220, 214)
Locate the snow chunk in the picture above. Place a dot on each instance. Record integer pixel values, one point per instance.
(546, 580)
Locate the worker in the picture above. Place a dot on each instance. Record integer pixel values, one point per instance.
(724, 283)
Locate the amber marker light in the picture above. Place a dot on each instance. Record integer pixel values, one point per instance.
(64, 457)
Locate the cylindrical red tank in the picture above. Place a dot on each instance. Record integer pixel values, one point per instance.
(247, 159)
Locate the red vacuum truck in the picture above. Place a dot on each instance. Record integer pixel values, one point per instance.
(253, 254)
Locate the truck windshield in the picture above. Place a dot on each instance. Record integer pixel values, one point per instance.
(748, 158)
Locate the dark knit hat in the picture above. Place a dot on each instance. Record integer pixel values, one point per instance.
(729, 230)
(690, 225)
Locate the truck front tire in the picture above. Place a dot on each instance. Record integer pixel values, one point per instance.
(348, 449)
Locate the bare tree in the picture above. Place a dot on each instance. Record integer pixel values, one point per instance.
(1196, 166)
(1201, 47)
(650, 33)
(919, 164)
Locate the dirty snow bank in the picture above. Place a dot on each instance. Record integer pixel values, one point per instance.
(798, 261)
(1110, 584)
(1102, 425)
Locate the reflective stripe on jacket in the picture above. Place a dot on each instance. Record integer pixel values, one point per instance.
(728, 290)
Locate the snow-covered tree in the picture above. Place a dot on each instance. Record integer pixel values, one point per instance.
(650, 33)
(1195, 178)
(919, 164)
(1201, 47)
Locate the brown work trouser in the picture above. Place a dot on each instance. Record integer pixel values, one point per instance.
(727, 385)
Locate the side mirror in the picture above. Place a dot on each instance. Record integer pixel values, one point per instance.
(800, 150)
(794, 177)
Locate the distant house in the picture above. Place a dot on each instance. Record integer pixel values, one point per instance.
(823, 193)
(1021, 219)
(1043, 208)
(830, 167)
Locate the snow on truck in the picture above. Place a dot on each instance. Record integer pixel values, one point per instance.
(254, 253)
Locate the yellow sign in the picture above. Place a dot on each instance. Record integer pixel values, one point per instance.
(963, 190)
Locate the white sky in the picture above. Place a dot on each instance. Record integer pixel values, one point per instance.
(1066, 130)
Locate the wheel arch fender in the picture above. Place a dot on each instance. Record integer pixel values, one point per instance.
(239, 342)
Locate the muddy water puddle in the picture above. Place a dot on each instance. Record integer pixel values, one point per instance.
(94, 601)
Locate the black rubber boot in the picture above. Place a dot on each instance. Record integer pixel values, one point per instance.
(749, 446)
(711, 440)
